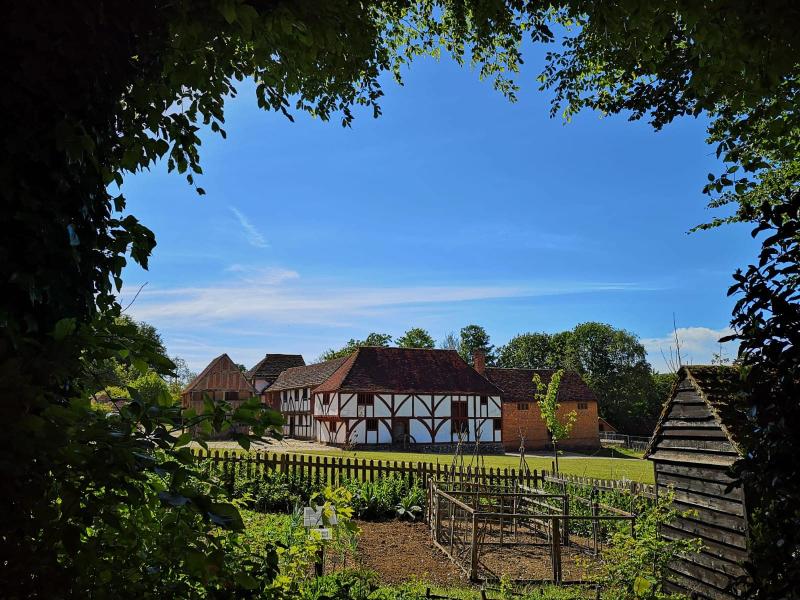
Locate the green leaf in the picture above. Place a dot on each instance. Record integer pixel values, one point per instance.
(64, 328)
(642, 586)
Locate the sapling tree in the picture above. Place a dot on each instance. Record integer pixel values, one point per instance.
(547, 399)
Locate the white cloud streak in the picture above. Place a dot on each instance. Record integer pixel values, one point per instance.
(275, 295)
(253, 235)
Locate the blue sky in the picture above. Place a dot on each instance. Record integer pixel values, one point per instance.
(454, 207)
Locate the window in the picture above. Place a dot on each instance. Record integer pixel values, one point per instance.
(372, 424)
(582, 406)
(498, 424)
(484, 401)
(458, 409)
(523, 406)
(326, 397)
(232, 396)
(366, 399)
(458, 412)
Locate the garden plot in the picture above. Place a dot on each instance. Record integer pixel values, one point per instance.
(519, 533)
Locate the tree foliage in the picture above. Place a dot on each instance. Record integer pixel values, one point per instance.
(534, 351)
(373, 339)
(474, 338)
(558, 425)
(416, 337)
(612, 362)
(767, 319)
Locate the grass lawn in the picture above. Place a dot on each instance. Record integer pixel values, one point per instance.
(585, 466)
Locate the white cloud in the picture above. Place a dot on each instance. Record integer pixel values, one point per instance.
(697, 344)
(276, 295)
(253, 235)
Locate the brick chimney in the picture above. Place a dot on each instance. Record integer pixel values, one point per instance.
(479, 361)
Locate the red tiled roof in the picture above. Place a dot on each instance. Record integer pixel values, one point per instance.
(306, 376)
(407, 370)
(273, 365)
(517, 384)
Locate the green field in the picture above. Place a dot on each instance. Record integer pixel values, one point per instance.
(584, 466)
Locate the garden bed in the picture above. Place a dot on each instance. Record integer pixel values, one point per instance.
(400, 551)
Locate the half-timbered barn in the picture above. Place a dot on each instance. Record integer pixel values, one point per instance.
(693, 448)
(522, 419)
(406, 395)
(270, 367)
(291, 394)
(220, 380)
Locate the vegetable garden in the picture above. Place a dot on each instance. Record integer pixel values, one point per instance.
(504, 534)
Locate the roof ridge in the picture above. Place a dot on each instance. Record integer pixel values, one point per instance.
(209, 366)
(347, 365)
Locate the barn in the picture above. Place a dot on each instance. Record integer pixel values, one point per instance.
(692, 449)
(522, 420)
(220, 380)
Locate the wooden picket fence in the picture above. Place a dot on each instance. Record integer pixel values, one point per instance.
(334, 469)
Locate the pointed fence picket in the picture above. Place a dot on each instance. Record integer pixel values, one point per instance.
(334, 470)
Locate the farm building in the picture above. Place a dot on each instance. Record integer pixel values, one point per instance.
(268, 368)
(693, 447)
(291, 394)
(406, 395)
(604, 426)
(221, 380)
(521, 416)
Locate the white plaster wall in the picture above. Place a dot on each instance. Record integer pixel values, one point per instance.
(384, 432)
(444, 407)
(443, 435)
(418, 431)
(347, 405)
(380, 408)
(403, 405)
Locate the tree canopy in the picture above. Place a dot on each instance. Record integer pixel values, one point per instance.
(612, 362)
(416, 337)
(372, 339)
(474, 338)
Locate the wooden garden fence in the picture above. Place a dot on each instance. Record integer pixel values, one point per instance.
(334, 469)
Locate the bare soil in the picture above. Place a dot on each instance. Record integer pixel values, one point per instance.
(400, 551)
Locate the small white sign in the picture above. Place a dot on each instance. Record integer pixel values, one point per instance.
(324, 533)
(312, 517)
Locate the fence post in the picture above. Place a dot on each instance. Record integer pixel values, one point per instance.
(566, 520)
(594, 518)
(556, 550)
(473, 563)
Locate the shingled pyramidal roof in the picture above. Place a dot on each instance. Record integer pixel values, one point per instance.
(721, 388)
(272, 365)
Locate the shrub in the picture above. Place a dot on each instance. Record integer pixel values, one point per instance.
(634, 566)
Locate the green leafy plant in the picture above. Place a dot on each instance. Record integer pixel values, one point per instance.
(547, 399)
(634, 566)
(410, 505)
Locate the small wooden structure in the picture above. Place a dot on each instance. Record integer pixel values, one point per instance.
(518, 532)
(693, 448)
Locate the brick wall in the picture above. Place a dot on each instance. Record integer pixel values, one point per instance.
(584, 435)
